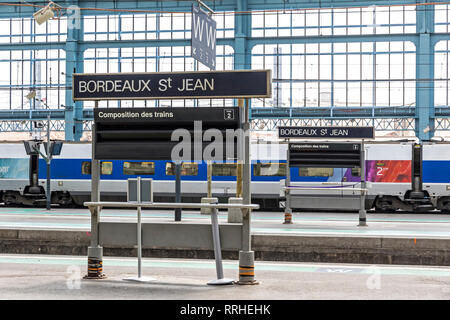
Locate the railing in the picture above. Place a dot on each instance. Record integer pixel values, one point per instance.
(95, 207)
(361, 190)
(169, 205)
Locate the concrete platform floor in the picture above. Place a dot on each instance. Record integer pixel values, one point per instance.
(59, 277)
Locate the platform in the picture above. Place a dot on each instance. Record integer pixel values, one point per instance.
(413, 239)
(59, 277)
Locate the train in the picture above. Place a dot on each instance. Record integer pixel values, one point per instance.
(398, 178)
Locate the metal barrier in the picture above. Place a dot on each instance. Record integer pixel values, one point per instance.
(246, 257)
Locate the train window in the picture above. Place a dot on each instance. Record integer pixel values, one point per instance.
(315, 172)
(356, 172)
(187, 169)
(224, 169)
(269, 169)
(107, 167)
(137, 168)
(86, 167)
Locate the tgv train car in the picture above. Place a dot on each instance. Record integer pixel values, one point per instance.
(399, 175)
(70, 176)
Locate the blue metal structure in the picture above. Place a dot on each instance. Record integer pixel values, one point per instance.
(340, 62)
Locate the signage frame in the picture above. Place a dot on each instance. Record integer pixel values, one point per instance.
(267, 94)
(319, 129)
(132, 133)
(322, 151)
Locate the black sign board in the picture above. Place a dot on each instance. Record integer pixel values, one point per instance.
(147, 133)
(325, 155)
(203, 38)
(176, 85)
(326, 132)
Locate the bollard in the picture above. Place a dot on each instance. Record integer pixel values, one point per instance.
(287, 209)
(287, 217)
(95, 263)
(247, 268)
(234, 215)
(207, 200)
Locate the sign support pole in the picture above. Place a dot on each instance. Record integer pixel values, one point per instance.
(209, 177)
(362, 209)
(288, 210)
(48, 161)
(178, 190)
(95, 251)
(246, 256)
(239, 163)
(139, 228)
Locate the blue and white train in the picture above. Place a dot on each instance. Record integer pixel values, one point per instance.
(389, 175)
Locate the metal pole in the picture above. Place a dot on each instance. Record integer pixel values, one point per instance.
(139, 228)
(48, 159)
(95, 192)
(217, 247)
(217, 251)
(239, 165)
(246, 256)
(95, 168)
(139, 278)
(211, 11)
(288, 210)
(246, 185)
(209, 179)
(95, 251)
(178, 190)
(362, 206)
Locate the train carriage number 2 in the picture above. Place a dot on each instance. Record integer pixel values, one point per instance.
(380, 170)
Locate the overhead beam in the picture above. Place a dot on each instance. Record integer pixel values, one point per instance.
(104, 7)
(333, 39)
(332, 112)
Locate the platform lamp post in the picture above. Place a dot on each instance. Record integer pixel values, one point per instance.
(52, 148)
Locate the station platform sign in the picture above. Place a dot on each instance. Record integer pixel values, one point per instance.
(326, 132)
(325, 155)
(153, 133)
(173, 85)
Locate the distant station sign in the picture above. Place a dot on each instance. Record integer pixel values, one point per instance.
(148, 133)
(203, 38)
(326, 132)
(176, 85)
